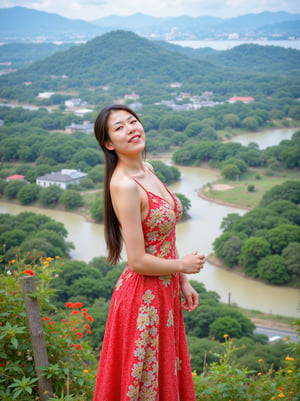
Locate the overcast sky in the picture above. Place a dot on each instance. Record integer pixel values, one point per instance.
(93, 9)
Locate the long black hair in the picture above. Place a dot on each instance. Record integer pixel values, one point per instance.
(112, 230)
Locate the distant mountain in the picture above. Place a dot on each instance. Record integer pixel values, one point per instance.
(246, 57)
(118, 56)
(291, 28)
(124, 62)
(262, 59)
(24, 24)
(187, 27)
(252, 22)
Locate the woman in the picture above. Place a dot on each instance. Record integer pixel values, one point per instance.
(144, 354)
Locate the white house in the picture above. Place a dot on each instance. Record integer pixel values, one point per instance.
(86, 127)
(61, 178)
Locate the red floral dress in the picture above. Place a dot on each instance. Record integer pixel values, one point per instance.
(144, 355)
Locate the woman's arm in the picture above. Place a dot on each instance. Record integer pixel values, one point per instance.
(191, 297)
(126, 197)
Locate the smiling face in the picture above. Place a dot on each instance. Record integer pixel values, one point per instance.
(126, 133)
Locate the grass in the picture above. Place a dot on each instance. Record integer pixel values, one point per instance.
(240, 196)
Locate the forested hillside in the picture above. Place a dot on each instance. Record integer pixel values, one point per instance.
(126, 62)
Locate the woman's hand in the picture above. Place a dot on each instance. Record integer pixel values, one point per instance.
(192, 263)
(191, 298)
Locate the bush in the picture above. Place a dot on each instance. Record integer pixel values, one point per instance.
(72, 364)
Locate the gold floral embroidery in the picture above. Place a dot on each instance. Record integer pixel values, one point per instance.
(170, 321)
(166, 280)
(119, 283)
(165, 248)
(178, 363)
(148, 297)
(145, 366)
(166, 227)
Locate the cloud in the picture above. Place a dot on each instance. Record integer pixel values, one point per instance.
(93, 9)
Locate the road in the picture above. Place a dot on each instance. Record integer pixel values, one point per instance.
(274, 332)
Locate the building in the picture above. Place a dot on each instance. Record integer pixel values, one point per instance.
(247, 99)
(45, 95)
(132, 96)
(15, 177)
(86, 127)
(62, 178)
(75, 102)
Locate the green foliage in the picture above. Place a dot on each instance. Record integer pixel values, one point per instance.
(227, 380)
(186, 204)
(72, 364)
(28, 194)
(97, 210)
(50, 196)
(273, 269)
(29, 231)
(271, 229)
(252, 251)
(71, 199)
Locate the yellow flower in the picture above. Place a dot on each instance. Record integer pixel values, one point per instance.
(13, 261)
(290, 371)
(260, 360)
(289, 358)
(281, 395)
(226, 335)
(86, 371)
(259, 374)
(194, 373)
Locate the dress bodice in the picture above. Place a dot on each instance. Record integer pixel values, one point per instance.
(159, 224)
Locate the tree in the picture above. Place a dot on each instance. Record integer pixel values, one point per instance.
(186, 204)
(50, 196)
(230, 171)
(225, 325)
(253, 250)
(291, 258)
(12, 188)
(91, 156)
(71, 199)
(28, 194)
(231, 250)
(289, 190)
(272, 268)
(279, 237)
(231, 120)
(193, 129)
(97, 210)
(250, 123)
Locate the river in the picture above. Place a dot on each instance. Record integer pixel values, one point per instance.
(229, 44)
(197, 233)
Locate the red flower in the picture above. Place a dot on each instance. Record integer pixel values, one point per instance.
(74, 312)
(84, 309)
(89, 318)
(79, 335)
(77, 305)
(29, 271)
(88, 326)
(89, 331)
(78, 346)
(68, 304)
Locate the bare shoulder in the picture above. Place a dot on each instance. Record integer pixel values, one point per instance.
(122, 184)
(149, 166)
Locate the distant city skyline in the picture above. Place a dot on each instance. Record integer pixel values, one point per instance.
(93, 9)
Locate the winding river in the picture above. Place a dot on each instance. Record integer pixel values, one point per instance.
(198, 233)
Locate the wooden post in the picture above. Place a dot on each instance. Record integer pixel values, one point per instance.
(229, 298)
(37, 337)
